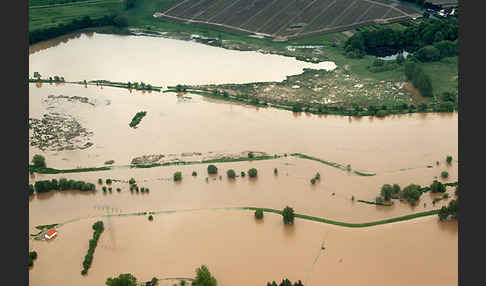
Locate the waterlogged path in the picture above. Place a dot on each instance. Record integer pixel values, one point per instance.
(267, 210)
(223, 160)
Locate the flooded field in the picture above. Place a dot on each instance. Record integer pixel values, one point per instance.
(158, 61)
(75, 126)
(173, 122)
(240, 251)
(290, 187)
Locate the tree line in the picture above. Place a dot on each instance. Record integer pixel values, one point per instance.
(385, 42)
(45, 186)
(416, 74)
(98, 228)
(76, 24)
(411, 193)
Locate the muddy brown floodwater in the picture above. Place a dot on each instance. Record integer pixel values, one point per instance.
(238, 250)
(158, 61)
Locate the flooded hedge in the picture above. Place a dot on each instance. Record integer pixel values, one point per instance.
(45, 186)
(98, 228)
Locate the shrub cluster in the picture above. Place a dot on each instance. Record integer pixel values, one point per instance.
(231, 174)
(98, 228)
(177, 176)
(137, 118)
(449, 159)
(285, 282)
(39, 161)
(411, 193)
(437, 187)
(450, 210)
(32, 257)
(252, 173)
(212, 169)
(386, 192)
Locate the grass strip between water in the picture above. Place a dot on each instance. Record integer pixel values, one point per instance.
(212, 161)
(335, 165)
(375, 203)
(268, 210)
(47, 226)
(41, 170)
(346, 224)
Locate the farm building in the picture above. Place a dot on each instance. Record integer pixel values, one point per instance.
(51, 233)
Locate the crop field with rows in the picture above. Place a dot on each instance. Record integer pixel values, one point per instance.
(285, 18)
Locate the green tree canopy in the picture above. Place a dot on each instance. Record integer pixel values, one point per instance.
(212, 169)
(288, 215)
(437, 187)
(252, 172)
(259, 213)
(231, 173)
(386, 191)
(204, 278)
(39, 161)
(122, 280)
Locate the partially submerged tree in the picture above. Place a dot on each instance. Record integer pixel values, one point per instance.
(252, 172)
(258, 213)
(449, 159)
(231, 174)
(122, 280)
(386, 191)
(288, 215)
(204, 278)
(39, 161)
(212, 169)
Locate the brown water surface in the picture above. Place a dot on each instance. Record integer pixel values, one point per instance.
(240, 251)
(177, 125)
(158, 61)
(237, 249)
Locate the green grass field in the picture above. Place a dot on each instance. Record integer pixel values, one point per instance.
(45, 17)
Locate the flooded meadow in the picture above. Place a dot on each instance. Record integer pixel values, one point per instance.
(74, 126)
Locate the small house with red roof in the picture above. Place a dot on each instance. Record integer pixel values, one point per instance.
(51, 233)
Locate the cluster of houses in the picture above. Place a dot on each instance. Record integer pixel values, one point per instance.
(440, 11)
(447, 12)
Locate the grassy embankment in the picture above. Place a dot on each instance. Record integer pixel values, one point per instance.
(375, 203)
(41, 170)
(47, 226)
(301, 216)
(126, 85)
